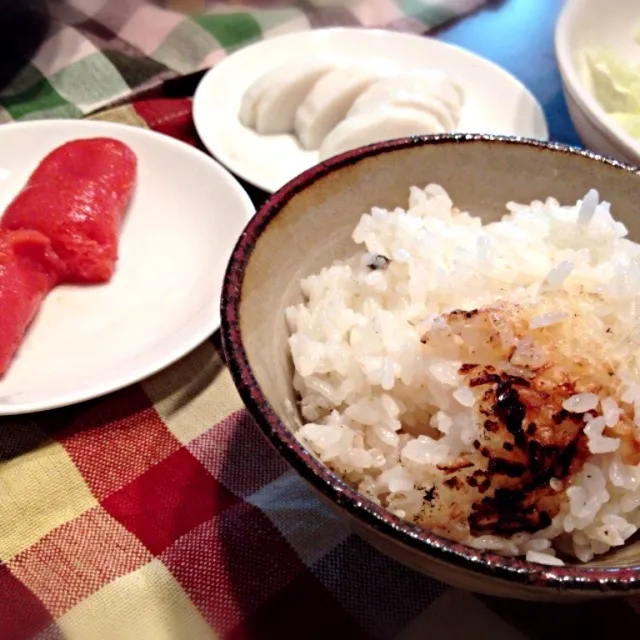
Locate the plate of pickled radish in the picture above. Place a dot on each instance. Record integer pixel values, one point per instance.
(276, 108)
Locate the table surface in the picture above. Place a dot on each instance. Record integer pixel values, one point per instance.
(497, 32)
(518, 35)
(160, 511)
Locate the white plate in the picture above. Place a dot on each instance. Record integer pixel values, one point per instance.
(495, 101)
(587, 24)
(183, 222)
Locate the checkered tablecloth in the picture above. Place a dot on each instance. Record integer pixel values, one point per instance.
(97, 53)
(159, 512)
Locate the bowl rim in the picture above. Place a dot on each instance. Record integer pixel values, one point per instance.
(576, 88)
(329, 484)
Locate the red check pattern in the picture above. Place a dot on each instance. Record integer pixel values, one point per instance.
(160, 512)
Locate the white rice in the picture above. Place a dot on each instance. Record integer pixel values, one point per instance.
(581, 402)
(543, 558)
(382, 412)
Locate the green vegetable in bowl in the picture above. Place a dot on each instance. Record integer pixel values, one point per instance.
(630, 122)
(616, 85)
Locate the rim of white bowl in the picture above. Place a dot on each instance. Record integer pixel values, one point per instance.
(574, 84)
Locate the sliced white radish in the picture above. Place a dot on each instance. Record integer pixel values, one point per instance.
(450, 88)
(329, 101)
(386, 123)
(380, 95)
(276, 111)
(250, 98)
(269, 104)
(424, 83)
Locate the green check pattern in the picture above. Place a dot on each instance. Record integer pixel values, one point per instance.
(95, 54)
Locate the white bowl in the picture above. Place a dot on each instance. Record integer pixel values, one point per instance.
(584, 24)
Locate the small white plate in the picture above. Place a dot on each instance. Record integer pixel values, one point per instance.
(177, 236)
(495, 101)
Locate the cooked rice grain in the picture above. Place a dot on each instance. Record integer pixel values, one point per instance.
(400, 352)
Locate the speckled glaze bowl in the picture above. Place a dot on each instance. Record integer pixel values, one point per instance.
(307, 224)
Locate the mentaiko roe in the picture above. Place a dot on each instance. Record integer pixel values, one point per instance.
(77, 197)
(29, 269)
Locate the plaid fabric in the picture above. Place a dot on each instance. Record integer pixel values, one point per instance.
(73, 57)
(161, 513)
